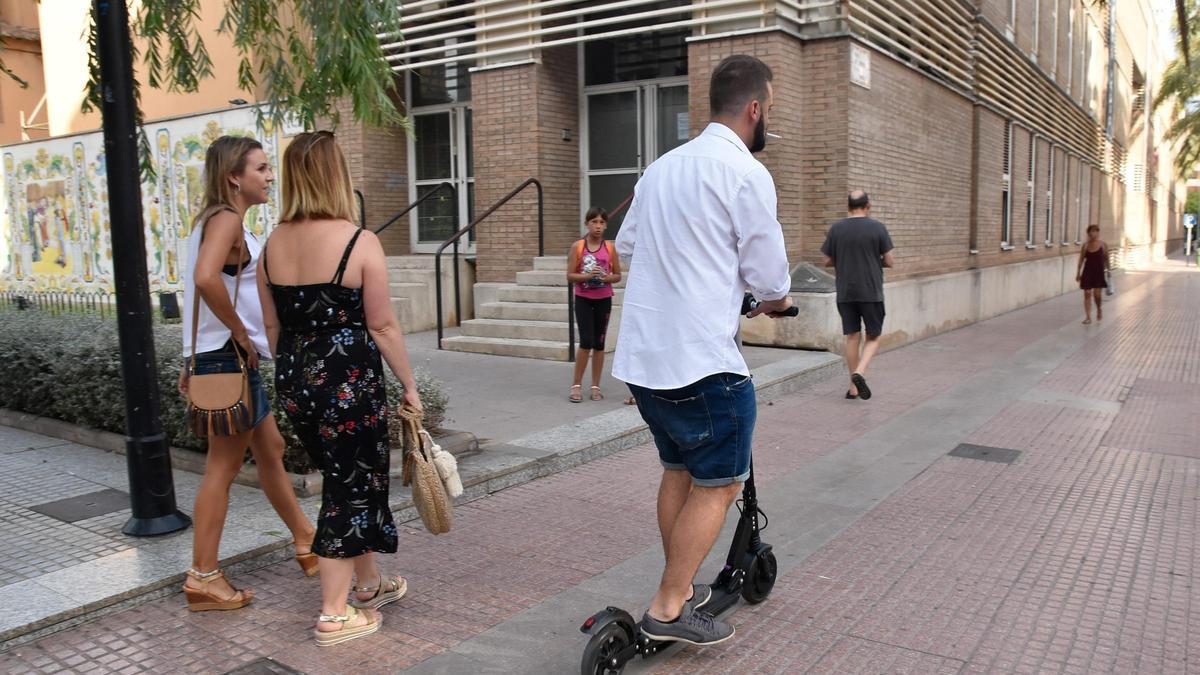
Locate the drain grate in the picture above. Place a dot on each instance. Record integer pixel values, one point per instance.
(264, 666)
(86, 506)
(985, 453)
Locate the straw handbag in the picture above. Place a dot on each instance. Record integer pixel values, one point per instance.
(219, 404)
(428, 492)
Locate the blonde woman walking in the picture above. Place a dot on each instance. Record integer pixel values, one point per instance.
(237, 176)
(329, 318)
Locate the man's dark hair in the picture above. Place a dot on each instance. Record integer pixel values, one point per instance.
(858, 200)
(1093, 227)
(736, 81)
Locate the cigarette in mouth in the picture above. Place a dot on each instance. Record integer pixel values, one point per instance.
(771, 135)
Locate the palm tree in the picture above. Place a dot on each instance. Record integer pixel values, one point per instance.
(1181, 89)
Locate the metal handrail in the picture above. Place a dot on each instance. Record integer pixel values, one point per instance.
(444, 184)
(362, 208)
(571, 288)
(437, 257)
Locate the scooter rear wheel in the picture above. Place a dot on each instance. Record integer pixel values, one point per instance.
(760, 579)
(601, 650)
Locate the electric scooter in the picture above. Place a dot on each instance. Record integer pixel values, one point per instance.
(749, 572)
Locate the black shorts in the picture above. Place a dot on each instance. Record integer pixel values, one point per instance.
(855, 314)
(592, 319)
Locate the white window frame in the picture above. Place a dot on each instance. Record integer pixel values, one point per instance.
(1067, 199)
(1071, 49)
(1037, 27)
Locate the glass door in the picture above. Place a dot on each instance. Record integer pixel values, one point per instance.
(628, 127)
(440, 150)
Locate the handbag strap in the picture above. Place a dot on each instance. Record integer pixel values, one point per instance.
(237, 283)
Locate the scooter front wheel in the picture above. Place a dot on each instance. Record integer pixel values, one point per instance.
(760, 579)
(600, 655)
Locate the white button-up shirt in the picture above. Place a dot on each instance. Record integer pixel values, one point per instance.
(701, 230)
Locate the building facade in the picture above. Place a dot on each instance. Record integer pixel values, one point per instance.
(989, 133)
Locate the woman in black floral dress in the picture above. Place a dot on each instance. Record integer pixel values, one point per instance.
(328, 312)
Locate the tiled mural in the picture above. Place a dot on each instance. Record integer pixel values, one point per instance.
(55, 228)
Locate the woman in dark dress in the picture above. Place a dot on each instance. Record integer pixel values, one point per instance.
(1092, 271)
(329, 318)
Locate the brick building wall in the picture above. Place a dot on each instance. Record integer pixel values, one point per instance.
(378, 168)
(825, 130)
(559, 162)
(519, 114)
(784, 157)
(915, 164)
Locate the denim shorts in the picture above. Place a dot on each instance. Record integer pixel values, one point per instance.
(220, 361)
(704, 428)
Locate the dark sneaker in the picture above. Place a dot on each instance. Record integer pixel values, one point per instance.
(694, 628)
(701, 594)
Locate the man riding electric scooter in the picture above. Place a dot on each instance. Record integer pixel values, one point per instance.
(702, 228)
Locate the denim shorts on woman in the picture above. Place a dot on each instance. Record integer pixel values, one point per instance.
(704, 428)
(223, 361)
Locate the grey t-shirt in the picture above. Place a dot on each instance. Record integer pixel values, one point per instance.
(857, 245)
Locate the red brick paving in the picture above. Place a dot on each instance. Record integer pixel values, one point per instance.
(1081, 557)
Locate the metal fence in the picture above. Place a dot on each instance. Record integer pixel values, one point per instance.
(103, 303)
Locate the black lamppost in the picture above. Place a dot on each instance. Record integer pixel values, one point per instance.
(151, 487)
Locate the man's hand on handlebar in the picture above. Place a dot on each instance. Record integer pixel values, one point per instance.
(773, 308)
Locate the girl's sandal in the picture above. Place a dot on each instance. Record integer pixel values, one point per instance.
(576, 393)
(596, 395)
(397, 587)
(630, 401)
(203, 599)
(328, 638)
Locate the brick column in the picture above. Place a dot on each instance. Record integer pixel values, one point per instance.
(378, 159)
(809, 163)
(519, 114)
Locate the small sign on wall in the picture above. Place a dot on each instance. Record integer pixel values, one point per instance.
(860, 66)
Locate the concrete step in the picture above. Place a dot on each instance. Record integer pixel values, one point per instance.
(530, 349)
(536, 277)
(524, 311)
(404, 312)
(410, 289)
(417, 262)
(411, 275)
(550, 263)
(544, 294)
(555, 331)
(541, 278)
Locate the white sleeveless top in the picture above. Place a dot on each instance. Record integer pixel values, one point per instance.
(212, 334)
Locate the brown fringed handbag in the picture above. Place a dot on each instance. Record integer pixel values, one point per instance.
(219, 403)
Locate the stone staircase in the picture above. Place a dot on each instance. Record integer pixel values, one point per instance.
(412, 282)
(528, 318)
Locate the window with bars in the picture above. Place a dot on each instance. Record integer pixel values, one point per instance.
(1050, 196)
(1029, 191)
(1066, 202)
(1006, 186)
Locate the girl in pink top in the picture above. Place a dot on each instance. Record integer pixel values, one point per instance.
(593, 268)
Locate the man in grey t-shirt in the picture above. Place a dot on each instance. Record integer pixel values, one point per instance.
(858, 248)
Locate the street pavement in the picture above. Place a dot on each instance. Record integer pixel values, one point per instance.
(1077, 553)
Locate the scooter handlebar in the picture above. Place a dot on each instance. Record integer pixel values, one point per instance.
(749, 303)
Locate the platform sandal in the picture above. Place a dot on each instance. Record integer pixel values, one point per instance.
(397, 585)
(328, 638)
(204, 600)
(596, 395)
(576, 394)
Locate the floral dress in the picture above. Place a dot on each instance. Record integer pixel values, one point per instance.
(329, 382)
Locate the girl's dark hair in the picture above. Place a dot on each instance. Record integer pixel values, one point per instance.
(1093, 227)
(594, 212)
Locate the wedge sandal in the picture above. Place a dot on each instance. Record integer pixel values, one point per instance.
(204, 600)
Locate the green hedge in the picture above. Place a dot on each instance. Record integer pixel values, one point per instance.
(68, 367)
